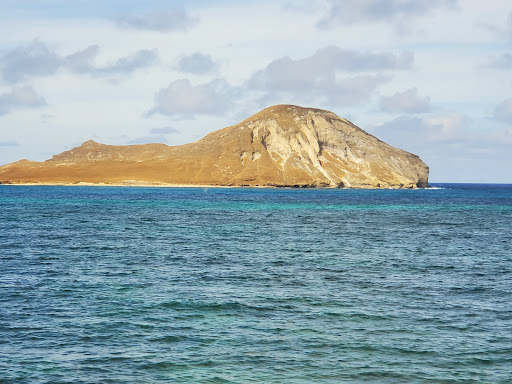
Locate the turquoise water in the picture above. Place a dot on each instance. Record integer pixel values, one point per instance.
(163, 285)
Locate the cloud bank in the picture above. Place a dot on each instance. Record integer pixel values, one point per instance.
(336, 76)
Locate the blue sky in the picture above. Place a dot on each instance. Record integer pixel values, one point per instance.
(431, 77)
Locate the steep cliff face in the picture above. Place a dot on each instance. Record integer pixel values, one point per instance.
(283, 145)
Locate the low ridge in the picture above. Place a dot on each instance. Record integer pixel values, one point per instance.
(283, 145)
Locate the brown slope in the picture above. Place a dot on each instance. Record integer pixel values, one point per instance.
(283, 145)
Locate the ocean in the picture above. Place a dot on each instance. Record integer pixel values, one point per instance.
(213, 285)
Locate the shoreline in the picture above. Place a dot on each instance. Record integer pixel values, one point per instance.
(85, 184)
(164, 185)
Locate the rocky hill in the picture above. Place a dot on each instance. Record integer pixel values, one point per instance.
(283, 145)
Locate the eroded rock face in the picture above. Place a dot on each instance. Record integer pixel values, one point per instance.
(283, 145)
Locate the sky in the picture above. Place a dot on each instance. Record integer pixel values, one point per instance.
(432, 77)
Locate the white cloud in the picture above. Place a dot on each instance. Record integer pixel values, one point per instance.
(140, 59)
(37, 60)
(442, 128)
(82, 61)
(503, 111)
(353, 90)
(407, 101)
(319, 75)
(161, 21)
(502, 30)
(503, 61)
(19, 98)
(450, 127)
(453, 146)
(323, 64)
(34, 59)
(386, 11)
(508, 25)
(196, 63)
(182, 99)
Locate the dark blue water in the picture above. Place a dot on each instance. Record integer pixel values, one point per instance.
(163, 285)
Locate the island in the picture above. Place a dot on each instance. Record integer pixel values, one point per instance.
(281, 146)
